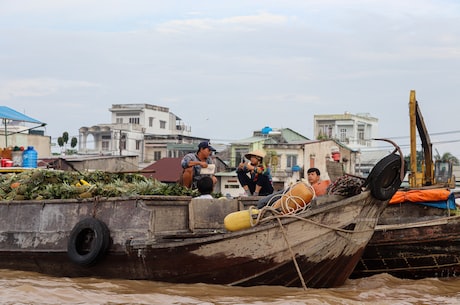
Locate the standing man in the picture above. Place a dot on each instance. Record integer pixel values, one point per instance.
(193, 163)
(254, 177)
(314, 178)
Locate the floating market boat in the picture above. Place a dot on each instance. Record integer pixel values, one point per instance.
(416, 237)
(180, 239)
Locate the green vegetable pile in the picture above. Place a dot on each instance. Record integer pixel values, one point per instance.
(41, 184)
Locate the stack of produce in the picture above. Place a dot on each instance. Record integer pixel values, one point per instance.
(41, 184)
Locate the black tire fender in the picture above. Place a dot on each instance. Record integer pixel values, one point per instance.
(385, 178)
(89, 240)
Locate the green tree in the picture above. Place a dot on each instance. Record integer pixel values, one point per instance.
(420, 159)
(65, 137)
(73, 142)
(447, 157)
(60, 142)
(63, 140)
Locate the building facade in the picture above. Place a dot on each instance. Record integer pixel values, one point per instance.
(354, 130)
(149, 131)
(289, 155)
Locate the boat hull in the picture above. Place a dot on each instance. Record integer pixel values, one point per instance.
(424, 244)
(168, 239)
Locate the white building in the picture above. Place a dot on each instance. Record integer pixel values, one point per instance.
(354, 130)
(138, 129)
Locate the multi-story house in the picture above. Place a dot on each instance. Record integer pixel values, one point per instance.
(356, 131)
(149, 131)
(289, 155)
(353, 130)
(153, 132)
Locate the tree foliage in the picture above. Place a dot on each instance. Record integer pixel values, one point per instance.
(60, 141)
(63, 140)
(65, 137)
(73, 142)
(421, 158)
(447, 157)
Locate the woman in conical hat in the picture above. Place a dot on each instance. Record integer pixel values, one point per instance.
(253, 176)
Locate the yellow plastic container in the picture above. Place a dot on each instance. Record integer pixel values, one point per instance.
(240, 220)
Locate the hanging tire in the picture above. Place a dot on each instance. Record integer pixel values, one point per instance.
(89, 240)
(385, 178)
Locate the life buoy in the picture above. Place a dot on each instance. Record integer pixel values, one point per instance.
(89, 240)
(385, 178)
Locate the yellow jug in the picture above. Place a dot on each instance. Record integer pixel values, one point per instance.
(240, 220)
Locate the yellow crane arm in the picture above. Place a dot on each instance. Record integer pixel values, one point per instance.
(425, 177)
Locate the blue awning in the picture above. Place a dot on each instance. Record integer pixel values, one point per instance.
(11, 114)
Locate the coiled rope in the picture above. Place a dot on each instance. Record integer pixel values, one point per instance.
(292, 213)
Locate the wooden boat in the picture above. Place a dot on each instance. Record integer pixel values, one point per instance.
(183, 240)
(415, 240)
(417, 236)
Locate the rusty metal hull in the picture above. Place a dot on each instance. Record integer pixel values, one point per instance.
(151, 239)
(421, 242)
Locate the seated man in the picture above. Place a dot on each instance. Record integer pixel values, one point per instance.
(314, 178)
(254, 176)
(192, 164)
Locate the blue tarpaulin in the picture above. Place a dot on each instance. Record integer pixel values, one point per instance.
(443, 204)
(11, 114)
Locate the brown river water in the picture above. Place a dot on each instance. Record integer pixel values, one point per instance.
(17, 287)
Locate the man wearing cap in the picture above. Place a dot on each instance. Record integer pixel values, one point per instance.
(253, 176)
(192, 164)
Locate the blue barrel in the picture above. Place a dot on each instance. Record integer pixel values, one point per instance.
(29, 157)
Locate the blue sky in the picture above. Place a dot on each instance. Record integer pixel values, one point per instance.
(230, 67)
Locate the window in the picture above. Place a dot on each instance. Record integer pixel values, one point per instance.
(162, 124)
(239, 156)
(231, 186)
(138, 144)
(343, 134)
(119, 121)
(275, 163)
(134, 120)
(361, 133)
(325, 131)
(151, 122)
(291, 160)
(105, 145)
(156, 155)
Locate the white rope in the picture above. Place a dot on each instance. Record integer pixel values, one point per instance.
(302, 280)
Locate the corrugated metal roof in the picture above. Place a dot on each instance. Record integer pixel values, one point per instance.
(11, 114)
(167, 170)
(278, 136)
(292, 136)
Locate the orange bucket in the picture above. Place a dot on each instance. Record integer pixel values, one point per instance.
(295, 198)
